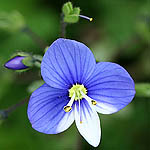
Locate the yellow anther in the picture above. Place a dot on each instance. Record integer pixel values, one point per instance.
(91, 19)
(67, 108)
(93, 102)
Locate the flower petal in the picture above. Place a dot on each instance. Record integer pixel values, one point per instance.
(67, 62)
(90, 126)
(111, 86)
(45, 110)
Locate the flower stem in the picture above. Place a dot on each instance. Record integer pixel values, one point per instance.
(42, 44)
(5, 112)
(63, 26)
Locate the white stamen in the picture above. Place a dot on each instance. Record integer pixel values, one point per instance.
(68, 107)
(91, 101)
(85, 17)
(86, 97)
(72, 100)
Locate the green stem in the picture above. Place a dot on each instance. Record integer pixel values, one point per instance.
(6, 112)
(63, 27)
(42, 44)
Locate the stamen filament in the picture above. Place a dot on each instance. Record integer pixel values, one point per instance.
(85, 17)
(93, 102)
(68, 107)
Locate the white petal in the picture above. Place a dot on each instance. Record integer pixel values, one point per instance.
(66, 121)
(105, 108)
(90, 126)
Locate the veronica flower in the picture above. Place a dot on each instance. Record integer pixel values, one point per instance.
(76, 88)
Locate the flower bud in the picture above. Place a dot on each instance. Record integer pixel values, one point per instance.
(16, 63)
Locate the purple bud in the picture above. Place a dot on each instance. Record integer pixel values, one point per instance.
(16, 63)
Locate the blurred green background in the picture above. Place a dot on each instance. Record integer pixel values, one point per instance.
(119, 33)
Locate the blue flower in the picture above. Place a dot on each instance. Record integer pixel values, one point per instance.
(76, 88)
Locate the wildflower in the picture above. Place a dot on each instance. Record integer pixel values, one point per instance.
(76, 88)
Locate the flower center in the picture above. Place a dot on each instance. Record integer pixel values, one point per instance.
(77, 90)
(76, 93)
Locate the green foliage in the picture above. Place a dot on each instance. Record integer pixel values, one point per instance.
(67, 8)
(37, 59)
(6, 79)
(28, 61)
(104, 50)
(46, 49)
(34, 85)
(3, 116)
(11, 22)
(143, 23)
(142, 89)
(71, 14)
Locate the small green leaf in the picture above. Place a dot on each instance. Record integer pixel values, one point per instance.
(67, 8)
(37, 57)
(71, 15)
(71, 19)
(46, 48)
(76, 11)
(35, 85)
(28, 61)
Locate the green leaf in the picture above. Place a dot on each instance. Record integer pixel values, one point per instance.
(34, 85)
(142, 89)
(67, 8)
(71, 19)
(71, 15)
